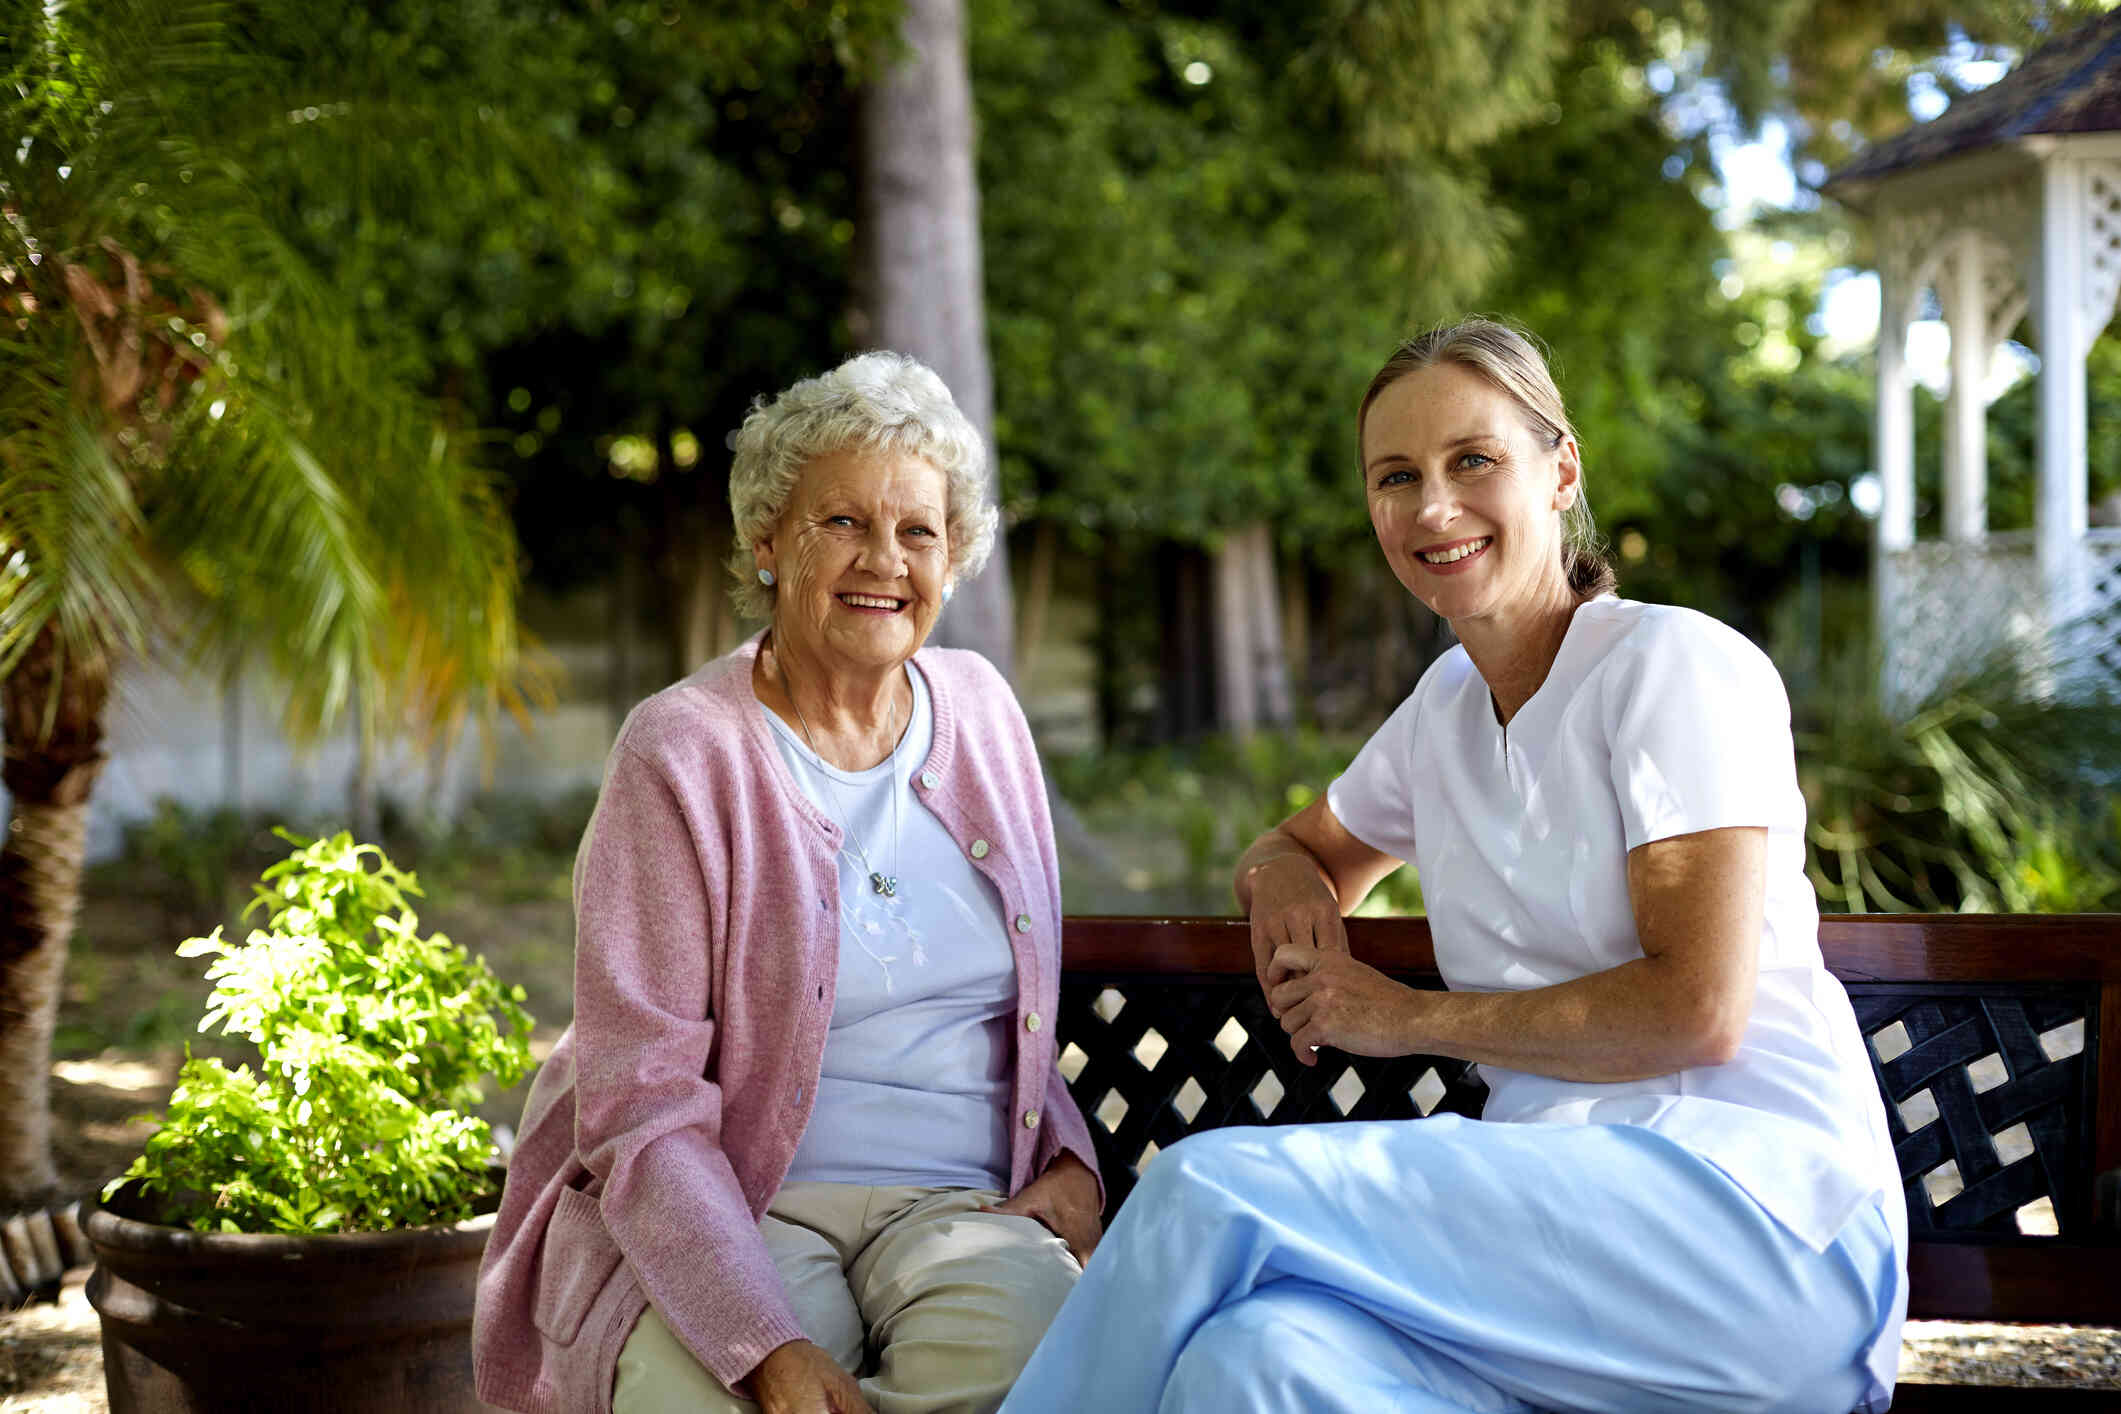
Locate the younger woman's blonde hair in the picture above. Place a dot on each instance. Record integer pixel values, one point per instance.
(1508, 358)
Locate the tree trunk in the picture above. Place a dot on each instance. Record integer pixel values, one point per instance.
(919, 274)
(1296, 633)
(1038, 594)
(1271, 656)
(52, 706)
(1252, 672)
(691, 534)
(1236, 680)
(1113, 575)
(695, 574)
(1187, 704)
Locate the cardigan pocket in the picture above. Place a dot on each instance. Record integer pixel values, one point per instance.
(579, 1259)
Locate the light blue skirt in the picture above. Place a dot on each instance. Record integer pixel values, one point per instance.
(1446, 1265)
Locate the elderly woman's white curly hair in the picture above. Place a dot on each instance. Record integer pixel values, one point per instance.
(885, 401)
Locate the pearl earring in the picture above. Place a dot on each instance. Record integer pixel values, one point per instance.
(766, 578)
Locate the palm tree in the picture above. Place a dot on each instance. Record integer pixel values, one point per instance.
(198, 450)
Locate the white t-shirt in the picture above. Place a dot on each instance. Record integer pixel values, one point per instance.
(1653, 722)
(919, 1059)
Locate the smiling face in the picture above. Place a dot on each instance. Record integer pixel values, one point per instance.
(1465, 495)
(862, 555)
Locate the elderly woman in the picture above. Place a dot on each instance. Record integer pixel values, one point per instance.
(817, 952)
(1682, 1196)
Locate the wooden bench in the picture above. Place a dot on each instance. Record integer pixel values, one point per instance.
(1996, 1042)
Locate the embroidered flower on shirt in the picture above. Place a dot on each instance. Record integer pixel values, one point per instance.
(876, 921)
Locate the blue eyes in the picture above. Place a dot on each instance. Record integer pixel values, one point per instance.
(1404, 476)
(849, 521)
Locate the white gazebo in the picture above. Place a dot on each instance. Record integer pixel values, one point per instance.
(2008, 204)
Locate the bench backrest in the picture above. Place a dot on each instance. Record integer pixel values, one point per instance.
(1995, 1040)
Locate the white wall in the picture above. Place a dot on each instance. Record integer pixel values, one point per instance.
(171, 734)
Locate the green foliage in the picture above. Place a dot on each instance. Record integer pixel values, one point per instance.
(680, 242)
(201, 435)
(1202, 228)
(1214, 797)
(372, 1041)
(1995, 796)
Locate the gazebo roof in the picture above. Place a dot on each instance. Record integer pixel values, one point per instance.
(2070, 85)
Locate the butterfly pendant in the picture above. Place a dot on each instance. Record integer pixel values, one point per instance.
(884, 885)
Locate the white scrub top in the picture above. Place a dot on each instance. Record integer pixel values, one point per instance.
(1653, 722)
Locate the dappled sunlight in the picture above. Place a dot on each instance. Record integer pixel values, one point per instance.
(114, 1072)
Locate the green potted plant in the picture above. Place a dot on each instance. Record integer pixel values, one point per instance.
(305, 1232)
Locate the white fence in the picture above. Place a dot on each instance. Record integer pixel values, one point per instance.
(1946, 606)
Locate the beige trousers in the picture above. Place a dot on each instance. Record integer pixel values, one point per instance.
(934, 1305)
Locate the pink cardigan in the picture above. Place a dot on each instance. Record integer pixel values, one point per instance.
(706, 946)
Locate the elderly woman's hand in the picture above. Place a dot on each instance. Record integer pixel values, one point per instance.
(1326, 998)
(1063, 1200)
(800, 1378)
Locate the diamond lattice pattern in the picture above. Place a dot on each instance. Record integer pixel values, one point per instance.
(1988, 1106)
(1154, 1059)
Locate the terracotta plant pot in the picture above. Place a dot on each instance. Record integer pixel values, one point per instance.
(354, 1323)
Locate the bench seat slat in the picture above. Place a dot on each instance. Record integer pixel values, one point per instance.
(1989, 1399)
(2042, 1283)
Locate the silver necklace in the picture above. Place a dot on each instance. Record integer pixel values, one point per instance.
(885, 884)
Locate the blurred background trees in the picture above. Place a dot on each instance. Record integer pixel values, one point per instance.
(1203, 223)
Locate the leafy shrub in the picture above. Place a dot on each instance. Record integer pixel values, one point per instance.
(1994, 796)
(372, 1042)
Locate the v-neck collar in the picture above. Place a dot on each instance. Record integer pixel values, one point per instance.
(1522, 749)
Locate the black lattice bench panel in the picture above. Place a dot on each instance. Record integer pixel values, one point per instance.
(1988, 1092)
(1995, 1042)
(1153, 1058)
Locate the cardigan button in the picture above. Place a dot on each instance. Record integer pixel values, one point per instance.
(930, 779)
(1032, 1023)
(1023, 922)
(979, 849)
(1030, 1119)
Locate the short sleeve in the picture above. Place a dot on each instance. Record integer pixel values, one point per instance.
(1699, 727)
(1373, 798)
